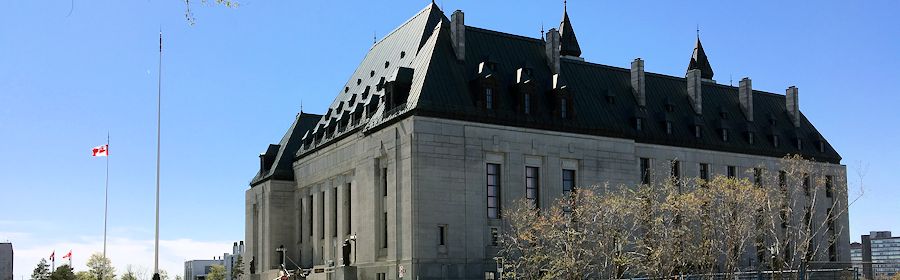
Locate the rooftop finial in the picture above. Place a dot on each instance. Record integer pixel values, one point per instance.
(301, 106)
(542, 30)
(374, 38)
(564, 5)
(698, 31)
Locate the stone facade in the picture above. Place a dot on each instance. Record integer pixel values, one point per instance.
(436, 178)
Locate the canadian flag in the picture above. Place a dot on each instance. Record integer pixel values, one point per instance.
(69, 255)
(53, 255)
(100, 151)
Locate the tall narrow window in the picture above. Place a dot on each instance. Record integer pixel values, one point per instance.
(638, 124)
(563, 108)
(704, 171)
(698, 132)
(527, 105)
(568, 182)
(757, 177)
(775, 140)
(732, 171)
(724, 135)
(806, 184)
(322, 215)
(668, 127)
(384, 185)
(493, 190)
(829, 186)
(488, 98)
(645, 171)
(384, 231)
(532, 186)
(750, 137)
(310, 213)
(676, 170)
(442, 235)
(334, 214)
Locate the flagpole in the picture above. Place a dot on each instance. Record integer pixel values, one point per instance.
(106, 199)
(158, 113)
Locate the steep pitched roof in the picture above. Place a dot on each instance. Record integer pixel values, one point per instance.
(280, 156)
(603, 101)
(700, 61)
(568, 43)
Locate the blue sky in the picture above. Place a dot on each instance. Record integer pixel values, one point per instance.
(72, 71)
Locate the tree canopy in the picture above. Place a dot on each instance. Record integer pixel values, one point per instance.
(42, 271)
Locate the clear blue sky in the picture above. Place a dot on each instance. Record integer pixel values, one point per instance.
(233, 82)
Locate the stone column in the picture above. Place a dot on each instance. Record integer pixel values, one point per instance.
(329, 223)
(305, 231)
(317, 226)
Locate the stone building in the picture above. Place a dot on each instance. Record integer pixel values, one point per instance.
(443, 125)
(6, 261)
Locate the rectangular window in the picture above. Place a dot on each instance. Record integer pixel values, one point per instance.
(645, 171)
(806, 184)
(638, 123)
(704, 171)
(829, 186)
(322, 215)
(493, 191)
(668, 127)
(495, 236)
(757, 177)
(527, 103)
(698, 132)
(488, 98)
(676, 170)
(568, 181)
(782, 179)
(381, 276)
(725, 135)
(775, 140)
(750, 138)
(442, 235)
(732, 171)
(310, 212)
(489, 275)
(532, 186)
(334, 214)
(384, 231)
(563, 108)
(384, 185)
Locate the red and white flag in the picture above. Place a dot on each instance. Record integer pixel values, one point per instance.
(100, 151)
(69, 255)
(53, 255)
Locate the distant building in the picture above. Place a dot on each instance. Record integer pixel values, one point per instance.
(6, 261)
(231, 260)
(856, 257)
(880, 255)
(198, 269)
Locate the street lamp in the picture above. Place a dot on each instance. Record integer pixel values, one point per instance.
(282, 252)
(353, 239)
(499, 261)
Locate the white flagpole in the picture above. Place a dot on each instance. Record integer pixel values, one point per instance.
(158, 113)
(106, 200)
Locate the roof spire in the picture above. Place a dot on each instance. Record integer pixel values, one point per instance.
(568, 43)
(700, 61)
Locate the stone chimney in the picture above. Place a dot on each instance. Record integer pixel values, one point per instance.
(458, 34)
(745, 94)
(694, 90)
(637, 81)
(792, 103)
(551, 46)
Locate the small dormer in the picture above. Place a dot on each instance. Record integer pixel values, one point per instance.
(397, 87)
(525, 91)
(267, 159)
(485, 86)
(563, 100)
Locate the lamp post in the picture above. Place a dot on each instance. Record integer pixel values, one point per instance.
(281, 251)
(499, 261)
(353, 239)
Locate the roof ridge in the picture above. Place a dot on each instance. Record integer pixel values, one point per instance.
(408, 21)
(500, 33)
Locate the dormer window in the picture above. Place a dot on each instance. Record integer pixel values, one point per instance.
(724, 132)
(698, 131)
(723, 115)
(774, 140)
(750, 137)
(638, 124)
(563, 108)
(610, 97)
(799, 143)
(821, 146)
(488, 98)
(668, 126)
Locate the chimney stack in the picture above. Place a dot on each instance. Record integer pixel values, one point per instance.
(745, 92)
(551, 46)
(637, 81)
(694, 90)
(792, 102)
(458, 34)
